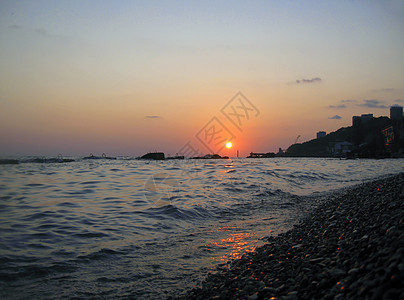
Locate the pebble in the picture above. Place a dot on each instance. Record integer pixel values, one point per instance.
(253, 297)
(353, 271)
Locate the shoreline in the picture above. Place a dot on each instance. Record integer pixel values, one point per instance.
(351, 246)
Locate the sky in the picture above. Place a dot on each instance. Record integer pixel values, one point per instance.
(130, 77)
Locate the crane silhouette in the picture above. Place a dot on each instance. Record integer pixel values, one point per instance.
(298, 137)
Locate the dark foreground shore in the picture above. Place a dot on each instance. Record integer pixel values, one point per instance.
(350, 247)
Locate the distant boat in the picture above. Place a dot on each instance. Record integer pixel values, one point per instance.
(153, 156)
(103, 156)
(8, 161)
(261, 155)
(58, 160)
(48, 160)
(210, 156)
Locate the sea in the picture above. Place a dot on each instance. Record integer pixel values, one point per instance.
(128, 228)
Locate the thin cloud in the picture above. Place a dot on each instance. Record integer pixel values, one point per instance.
(399, 101)
(43, 32)
(313, 80)
(337, 106)
(373, 104)
(342, 104)
(15, 27)
(383, 90)
(153, 117)
(336, 117)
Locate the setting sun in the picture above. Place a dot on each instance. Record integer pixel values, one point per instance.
(229, 145)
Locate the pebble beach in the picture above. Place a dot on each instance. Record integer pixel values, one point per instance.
(349, 247)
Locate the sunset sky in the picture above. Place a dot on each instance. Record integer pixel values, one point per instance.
(129, 77)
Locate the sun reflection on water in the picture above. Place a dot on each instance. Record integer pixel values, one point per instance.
(234, 245)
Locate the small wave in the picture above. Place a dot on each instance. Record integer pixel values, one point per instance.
(38, 246)
(18, 259)
(68, 204)
(85, 191)
(173, 168)
(34, 184)
(103, 254)
(43, 235)
(42, 215)
(119, 280)
(63, 253)
(173, 212)
(45, 226)
(91, 235)
(90, 182)
(274, 193)
(234, 189)
(34, 271)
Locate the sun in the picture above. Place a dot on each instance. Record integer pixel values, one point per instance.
(229, 145)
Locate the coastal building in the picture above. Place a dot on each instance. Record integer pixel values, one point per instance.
(356, 120)
(321, 134)
(366, 117)
(396, 112)
(342, 147)
(388, 134)
(362, 119)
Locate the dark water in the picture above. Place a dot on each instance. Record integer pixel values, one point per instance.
(128, 228)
